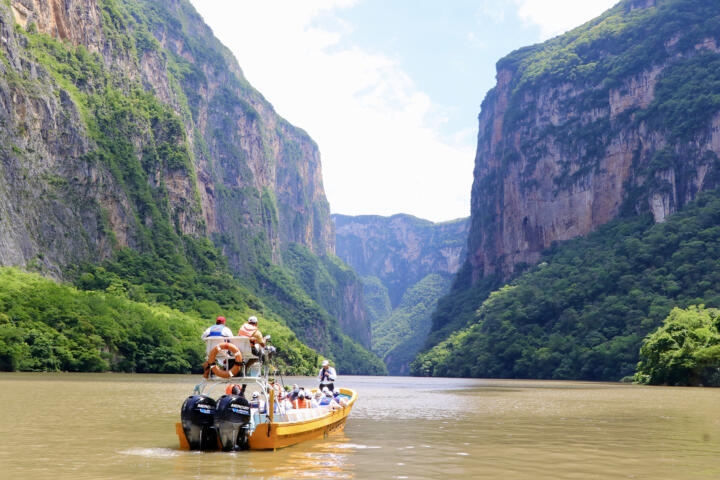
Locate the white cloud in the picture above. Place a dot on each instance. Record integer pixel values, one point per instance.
(555, 17)
(374, 127)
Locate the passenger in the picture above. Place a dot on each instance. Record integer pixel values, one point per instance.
(217, 330)
(255, 401)
(315, 401)
(250, 329)
(275, 386)
(329, 401)
(342, 401)
(286, 403)
(294, 393)
(300, 401)
(308, 400)
(327, 376)
(325, 397)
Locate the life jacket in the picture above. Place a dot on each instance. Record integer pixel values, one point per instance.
(229, 388)
(248, 330)
(216, 330)
(325, 401)
(301, 403)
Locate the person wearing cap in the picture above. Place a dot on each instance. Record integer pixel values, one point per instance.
(315, 401)
(250, 329)
(294, 392)
(327, 376)
(257, 402)
(217, 330)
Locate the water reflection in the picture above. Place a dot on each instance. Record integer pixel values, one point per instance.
(327, 460)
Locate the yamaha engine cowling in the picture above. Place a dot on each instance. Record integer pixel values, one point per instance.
(232, 418)
(198, 417)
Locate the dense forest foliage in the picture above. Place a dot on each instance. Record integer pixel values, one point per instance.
(583, 312)
(398, 337)
(164, 267)
(46, 326)
(376, 298)
(684, 351)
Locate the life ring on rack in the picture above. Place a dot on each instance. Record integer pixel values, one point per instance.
(221, 372)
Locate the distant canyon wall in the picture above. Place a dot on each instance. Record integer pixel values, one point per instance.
(400, 250)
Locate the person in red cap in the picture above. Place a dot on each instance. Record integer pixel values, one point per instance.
(217, 330)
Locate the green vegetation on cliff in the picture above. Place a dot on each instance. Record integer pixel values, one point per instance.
(623, 41)
(141, 145)
(398, 337)
(406, 263)
(684, 351)
(583, 312)
(46, 326)
(376, 298)
(603, 59)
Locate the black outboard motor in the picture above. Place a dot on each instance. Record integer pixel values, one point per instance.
(232, 418)
(198, 416)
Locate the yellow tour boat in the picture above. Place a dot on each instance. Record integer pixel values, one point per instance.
(226, 420)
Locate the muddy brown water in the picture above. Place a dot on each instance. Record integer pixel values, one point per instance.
(89, 426)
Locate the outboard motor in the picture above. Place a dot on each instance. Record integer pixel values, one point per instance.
(198, 416)
(232, 418)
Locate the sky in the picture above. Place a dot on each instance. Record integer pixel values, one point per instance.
(389, 89)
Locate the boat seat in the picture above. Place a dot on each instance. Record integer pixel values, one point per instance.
(242, 343)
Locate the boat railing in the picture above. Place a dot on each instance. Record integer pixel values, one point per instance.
(242, 343)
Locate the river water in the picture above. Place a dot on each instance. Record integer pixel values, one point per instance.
(90, 426)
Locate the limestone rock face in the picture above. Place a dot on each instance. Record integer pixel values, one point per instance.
(561, 152)
(49, 194)
(76, 21)
(400, 250)
(252, 172)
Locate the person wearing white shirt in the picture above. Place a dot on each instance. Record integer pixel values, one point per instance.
(327, 376)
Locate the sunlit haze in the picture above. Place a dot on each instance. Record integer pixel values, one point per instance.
(390, 91)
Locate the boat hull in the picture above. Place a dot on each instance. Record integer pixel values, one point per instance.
(270, 436)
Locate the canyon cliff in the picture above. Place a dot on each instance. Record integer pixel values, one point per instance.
(594, 205)
(127, 125)
(406, 265)
(615, 117)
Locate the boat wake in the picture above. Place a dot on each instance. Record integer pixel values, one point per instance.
(354, 446)
(151, 452)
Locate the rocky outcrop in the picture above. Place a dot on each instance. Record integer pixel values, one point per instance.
(400, 250)
(49, 193)
(592, 125)
(78, 22)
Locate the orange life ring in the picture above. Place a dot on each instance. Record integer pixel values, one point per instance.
(221, 372)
